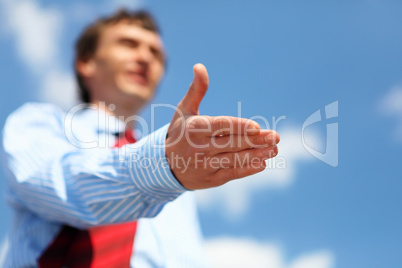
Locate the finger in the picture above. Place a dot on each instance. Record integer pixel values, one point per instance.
(235, 143)
(242, 158)
(223, 125)
(229, 125)
(224, 175)
(190, 103)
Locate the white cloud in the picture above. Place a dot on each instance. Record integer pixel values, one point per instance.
(319, 259)
(3, 251)
(229, 252)
(36, 31)
(59, 88)
(391, 105)
(234, 197)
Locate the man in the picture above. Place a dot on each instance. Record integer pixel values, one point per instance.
(77, 198)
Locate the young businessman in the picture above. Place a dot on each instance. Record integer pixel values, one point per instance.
(79, 201)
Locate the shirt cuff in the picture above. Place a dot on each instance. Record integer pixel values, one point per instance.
(149, 168)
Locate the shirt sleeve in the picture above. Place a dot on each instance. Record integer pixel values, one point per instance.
(58, 181)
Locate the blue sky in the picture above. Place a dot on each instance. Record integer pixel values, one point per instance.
(278, 58)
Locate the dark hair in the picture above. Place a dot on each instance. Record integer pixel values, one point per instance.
(87, 42)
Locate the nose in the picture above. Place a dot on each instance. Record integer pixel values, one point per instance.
(144, 55)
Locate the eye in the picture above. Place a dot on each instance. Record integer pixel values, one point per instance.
(128, 42)
(157, 54)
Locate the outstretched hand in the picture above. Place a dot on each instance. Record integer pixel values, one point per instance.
(205, 151)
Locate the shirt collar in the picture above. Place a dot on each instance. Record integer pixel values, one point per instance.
(102, 121)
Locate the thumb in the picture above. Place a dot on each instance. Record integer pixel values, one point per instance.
(191, 101)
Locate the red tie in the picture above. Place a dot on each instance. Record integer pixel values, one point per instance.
(101, 246)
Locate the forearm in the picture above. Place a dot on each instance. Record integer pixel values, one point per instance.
(94, 186)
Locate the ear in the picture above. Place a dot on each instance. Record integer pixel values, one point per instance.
(86, 68)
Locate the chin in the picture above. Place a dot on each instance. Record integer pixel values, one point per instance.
(138, 97)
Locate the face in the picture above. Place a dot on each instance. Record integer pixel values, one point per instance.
(127, 65)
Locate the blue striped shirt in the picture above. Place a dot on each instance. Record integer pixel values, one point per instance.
(62, 170)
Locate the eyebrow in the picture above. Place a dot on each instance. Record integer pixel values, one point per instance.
(154, 47)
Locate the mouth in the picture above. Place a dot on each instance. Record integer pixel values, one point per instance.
(139, 76)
